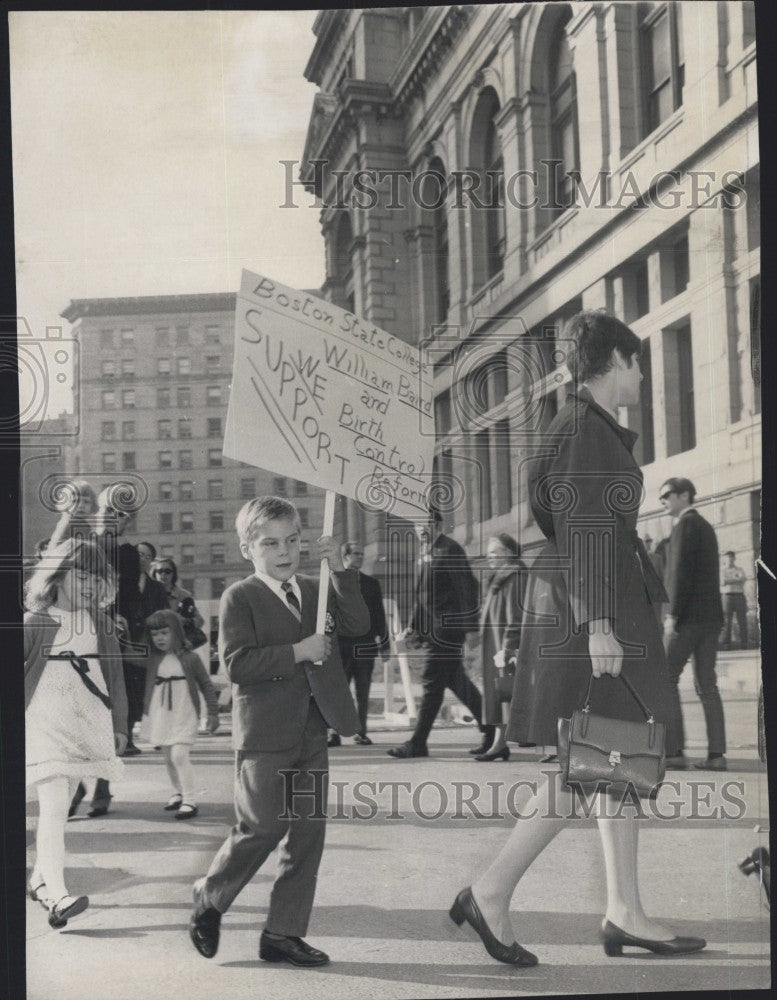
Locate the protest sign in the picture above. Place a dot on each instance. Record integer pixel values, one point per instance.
(327, 397)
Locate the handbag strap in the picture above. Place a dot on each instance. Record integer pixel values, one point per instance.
(587, 706)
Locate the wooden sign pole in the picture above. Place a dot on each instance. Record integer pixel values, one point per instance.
(323, 582)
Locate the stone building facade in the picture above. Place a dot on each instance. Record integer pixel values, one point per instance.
(485, 171)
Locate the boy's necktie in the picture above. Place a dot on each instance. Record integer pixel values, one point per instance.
(291, 600)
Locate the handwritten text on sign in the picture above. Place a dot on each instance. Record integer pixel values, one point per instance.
(326, 397)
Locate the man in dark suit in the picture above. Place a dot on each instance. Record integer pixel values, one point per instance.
(357, 653)
(694, 616)
(446, 608)
(286, 689)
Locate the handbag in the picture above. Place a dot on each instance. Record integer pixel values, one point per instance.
(597, 753)
(503, 682)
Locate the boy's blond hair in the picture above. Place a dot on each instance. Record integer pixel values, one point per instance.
(261, 509)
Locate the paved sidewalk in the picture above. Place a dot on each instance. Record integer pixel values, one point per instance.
(387, 882)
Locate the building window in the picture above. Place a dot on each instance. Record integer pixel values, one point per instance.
(300, 488)
(215, 489)
(748, 34)
(342, 260)
(212, 335)
(106, 338)
(217, 586)
(128, 461)
(212, 363)
(181, 336)
(497, 379)
(215, 458)
(128, 430)
(164, 429)
(216, 520)
(109, 461)
(186, 489)
(128, 367)
(166, 551)
(187, 556)
(108, 430)
(674, 263)
(442, 412)
(108, 369)
(127, 338)
(217, 553)
(184, 427)
(214, 427)
(163, 366)
(488, 218)
(184, 396)
(185, 459)
(279, 486)
(503, 463)
(755, 341)
(213, 394)
(165, 460)
(187, 521)
(166, 521)
(247, 488)
(165, 491)
(162, 336)
(663, 70)
(494, 197)
(163, 398)
(184, 366)
(483, 476)
(679, 390)
(303, 517)
(108, 399)
(128, 399)
(645, 448)
(436, 196)
(564, 143)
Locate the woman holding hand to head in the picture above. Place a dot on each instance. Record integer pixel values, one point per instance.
(589, 609)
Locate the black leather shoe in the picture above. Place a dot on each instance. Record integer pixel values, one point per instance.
(75, 802)
(204, 926)
(95, 811)
(408, 750)
(484, 747)
(290, 949)
(131, 751)
(363, 740)
(334, 741)
(677, 762)
(68, 906)
(465, 908)
(503, 754)
(613, 939)
(712, 764)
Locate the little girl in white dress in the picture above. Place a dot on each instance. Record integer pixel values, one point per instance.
(174, 675)
(76, 707)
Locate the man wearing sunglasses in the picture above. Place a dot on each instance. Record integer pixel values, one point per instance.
(694, 617)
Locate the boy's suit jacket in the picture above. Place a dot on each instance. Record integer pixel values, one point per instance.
(271, 693)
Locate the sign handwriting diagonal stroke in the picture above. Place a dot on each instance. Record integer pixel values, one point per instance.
(283, 426)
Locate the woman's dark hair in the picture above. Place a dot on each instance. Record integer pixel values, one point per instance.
(164, 561)
(596, 334)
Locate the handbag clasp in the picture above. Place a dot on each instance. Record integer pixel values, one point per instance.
(614, 758)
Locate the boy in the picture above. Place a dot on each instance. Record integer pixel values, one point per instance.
(282, 703)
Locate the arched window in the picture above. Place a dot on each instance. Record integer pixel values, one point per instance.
(436, 195)
(342, 261)
(488, 212)
(563, 118)
(663, 61)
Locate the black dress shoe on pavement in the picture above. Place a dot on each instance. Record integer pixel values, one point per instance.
(503, 754)
(407, 750)
(204, 927)
(613, 939)
(131, 751)
(679, 762)
(712, 764)
(363, 740)
(290, 949)
(484, 747)
(98, 810)
(334, 741)
(465, 908)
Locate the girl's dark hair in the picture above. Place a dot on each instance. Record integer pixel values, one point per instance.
(595, 334)
(165, 561)
(74, 553)
(168, 619)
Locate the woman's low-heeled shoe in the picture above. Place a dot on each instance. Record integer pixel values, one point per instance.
(174, 803)
(614, 939)
(187, 811)
(503, 754)
(75, 802)
(465, 908)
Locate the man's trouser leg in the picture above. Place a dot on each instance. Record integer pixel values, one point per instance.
(706, 681)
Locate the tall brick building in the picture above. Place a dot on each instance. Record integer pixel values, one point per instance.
(613, 152)
(154, 387)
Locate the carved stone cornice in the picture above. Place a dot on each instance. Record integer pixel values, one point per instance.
(432, 56)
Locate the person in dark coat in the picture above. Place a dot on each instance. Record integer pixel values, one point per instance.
(694, 617)
(589, 609)
(357, 653)
(500, 635)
